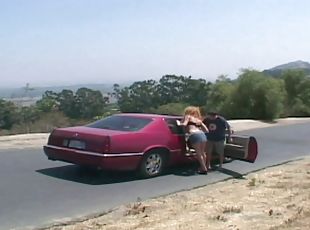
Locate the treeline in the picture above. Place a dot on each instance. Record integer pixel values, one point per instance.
(53, 109)
(252, 95)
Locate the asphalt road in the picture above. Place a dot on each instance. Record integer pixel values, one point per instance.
(36, 192)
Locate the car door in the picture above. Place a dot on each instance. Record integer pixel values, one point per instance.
(177, 141)
(177, 133)
(242, 148)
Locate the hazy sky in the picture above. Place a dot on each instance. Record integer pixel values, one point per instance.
(54, 42)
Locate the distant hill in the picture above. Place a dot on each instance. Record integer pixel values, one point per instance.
(277, 71)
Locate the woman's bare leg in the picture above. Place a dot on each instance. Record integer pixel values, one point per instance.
(209, 155)
(203, 148)
(199, 152)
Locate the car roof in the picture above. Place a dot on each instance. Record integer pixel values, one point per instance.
(147, 115)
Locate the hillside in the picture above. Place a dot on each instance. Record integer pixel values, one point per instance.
(277, 70)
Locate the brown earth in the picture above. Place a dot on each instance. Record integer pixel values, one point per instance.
(273, 198)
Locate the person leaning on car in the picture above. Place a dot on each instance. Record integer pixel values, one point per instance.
(196, 130)
(217, 126)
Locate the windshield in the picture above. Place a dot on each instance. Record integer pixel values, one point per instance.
(121, 123)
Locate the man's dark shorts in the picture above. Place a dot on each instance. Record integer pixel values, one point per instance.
(216, 146)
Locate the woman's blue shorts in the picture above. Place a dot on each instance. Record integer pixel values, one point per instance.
(197, 137)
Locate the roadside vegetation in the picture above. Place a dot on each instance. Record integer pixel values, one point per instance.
(253, 95)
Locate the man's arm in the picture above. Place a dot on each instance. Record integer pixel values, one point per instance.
(229, 131)
(227, 127)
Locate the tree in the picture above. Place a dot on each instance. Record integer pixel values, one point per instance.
(8, 114)
(171, 109)
(141, 96)
(220, 96)
(304, 97)
(180, 89)
(257, 96)
(48, 102)
(67, 103)
(89, 103)
(196, 91)
(28, 115)
(147, 96)
(171, 89)
(116, 92)
(297, 86)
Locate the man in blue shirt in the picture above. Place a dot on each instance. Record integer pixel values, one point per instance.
(217, 126)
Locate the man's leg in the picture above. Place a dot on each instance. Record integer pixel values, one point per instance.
(209, 149)
(220, 145)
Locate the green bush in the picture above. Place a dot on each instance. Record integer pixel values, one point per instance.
(257, 96)
(170, 108)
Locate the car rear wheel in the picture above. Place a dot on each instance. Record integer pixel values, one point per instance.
(153, 163)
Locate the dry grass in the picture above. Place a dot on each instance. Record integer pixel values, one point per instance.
(273, 199)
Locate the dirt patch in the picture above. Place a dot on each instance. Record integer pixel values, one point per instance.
(273, 198)
(23, 141)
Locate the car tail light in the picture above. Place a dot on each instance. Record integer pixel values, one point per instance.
(49, 140)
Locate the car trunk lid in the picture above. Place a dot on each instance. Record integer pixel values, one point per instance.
(82, 138)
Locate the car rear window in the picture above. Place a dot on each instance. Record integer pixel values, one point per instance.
(121, 123)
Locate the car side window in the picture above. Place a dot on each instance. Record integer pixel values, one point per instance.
(174, 128)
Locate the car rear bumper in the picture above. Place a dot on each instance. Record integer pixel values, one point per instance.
(121, 161)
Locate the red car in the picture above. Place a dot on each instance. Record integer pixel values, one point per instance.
(144, 142)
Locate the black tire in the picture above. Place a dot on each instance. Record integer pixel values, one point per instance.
(153, 163)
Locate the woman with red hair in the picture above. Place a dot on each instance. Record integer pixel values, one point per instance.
(196, 130)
